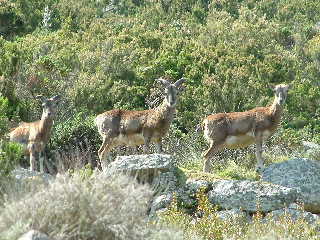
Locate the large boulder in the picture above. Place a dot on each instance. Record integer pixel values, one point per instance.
(301, 174)
(251, 196)
(144, 167)
(193, 187)
(165, 182)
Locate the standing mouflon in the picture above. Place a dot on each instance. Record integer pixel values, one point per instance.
(132, 128)
(241, 129)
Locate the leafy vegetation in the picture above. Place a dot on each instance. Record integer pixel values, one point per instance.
(106, 54)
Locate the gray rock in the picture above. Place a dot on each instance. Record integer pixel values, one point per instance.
(185, 200)
(161, 202)
(301, 174)
(144, 167)
(143, 161)
(164, 200)
(165, 182)
(294, 215)
(295, 206)
(310, 145)
(34, 235)
(250, 196)
(194, 186)
(22, 174)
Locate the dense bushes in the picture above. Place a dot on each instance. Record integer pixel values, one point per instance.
(106, 54)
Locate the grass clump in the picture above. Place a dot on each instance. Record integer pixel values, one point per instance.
(70, 208)
(238, 172)
(10, 153)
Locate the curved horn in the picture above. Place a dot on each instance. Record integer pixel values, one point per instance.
(41, 98)
(56, 98)
(163, 81)
(179, 82)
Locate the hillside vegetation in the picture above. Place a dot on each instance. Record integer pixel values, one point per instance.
(101, 55)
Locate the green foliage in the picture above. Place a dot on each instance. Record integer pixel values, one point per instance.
(234, 171)
(4, 107)
(209, 226)
(84, 173)
(78, 129)
(101, 55)
(10, 153)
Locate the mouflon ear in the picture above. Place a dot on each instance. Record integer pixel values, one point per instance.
(179, 82)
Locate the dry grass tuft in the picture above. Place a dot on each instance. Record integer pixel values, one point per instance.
(71, 208)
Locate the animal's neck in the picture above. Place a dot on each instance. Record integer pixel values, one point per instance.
(276, 109)
(166, 111)
(46, 125)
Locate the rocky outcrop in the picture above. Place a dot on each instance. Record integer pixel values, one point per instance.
(165, 182)
(283, 185)
(250, 196)
(161, 202)
(194, 186)
(145, 168)
(300, 174)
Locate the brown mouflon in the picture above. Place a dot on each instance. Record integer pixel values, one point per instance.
(35, 135)
(241, 129)
(132, 128)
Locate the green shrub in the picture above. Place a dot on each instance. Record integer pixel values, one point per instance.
(79, 128)
(10, 153)
(74, 143)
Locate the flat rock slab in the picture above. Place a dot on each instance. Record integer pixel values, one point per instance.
(144, 167)
(301, 174)
(144, 161)
(251, 196)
